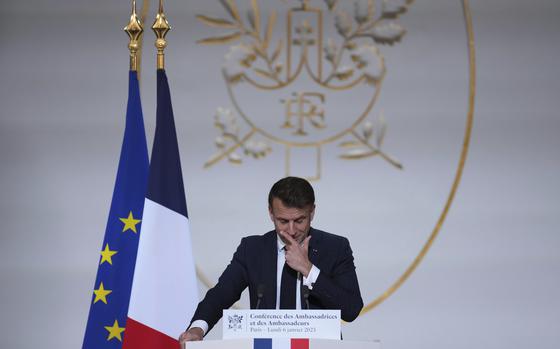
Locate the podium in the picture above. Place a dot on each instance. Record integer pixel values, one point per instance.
(282, 329)
(282, 343)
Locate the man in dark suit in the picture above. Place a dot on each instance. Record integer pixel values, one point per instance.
(292, 267)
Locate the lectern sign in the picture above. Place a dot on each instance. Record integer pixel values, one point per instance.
(281, 324)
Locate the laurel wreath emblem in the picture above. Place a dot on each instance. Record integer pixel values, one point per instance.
(353, 57)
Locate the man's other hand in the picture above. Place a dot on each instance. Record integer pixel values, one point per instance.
(192, 334)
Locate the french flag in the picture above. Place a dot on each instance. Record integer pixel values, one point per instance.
(281, 343)
(164, 290)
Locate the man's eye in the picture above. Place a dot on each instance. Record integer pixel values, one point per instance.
(299, 221)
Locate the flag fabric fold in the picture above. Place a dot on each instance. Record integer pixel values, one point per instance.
(110, 300)
(164, 292)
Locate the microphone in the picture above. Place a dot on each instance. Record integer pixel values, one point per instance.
(305, 291)
(260, 295)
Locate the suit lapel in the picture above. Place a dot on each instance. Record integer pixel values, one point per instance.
(270, 260)
(314, 244)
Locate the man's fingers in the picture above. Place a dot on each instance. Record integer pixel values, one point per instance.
(182, 337)
(289, 240)
(284, 235)
(192, 334)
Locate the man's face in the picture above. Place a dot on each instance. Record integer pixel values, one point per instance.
(291, 220)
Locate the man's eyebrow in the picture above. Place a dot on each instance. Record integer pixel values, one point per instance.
(294, 219)
(300, 217)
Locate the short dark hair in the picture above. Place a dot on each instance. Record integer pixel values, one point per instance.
(293, 192)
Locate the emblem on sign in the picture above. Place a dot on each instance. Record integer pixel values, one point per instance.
(304, 79)
(235, 322)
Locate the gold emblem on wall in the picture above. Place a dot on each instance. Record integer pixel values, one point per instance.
(306, 118)
(313, 81)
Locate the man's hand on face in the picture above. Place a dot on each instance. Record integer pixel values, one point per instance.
(192, 334)
(296, 254)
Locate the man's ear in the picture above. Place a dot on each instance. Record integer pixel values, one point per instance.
(312, 213)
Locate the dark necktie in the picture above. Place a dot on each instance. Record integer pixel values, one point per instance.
(288, 288)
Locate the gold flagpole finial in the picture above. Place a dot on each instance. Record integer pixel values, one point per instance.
(161, 27)
(134, 30)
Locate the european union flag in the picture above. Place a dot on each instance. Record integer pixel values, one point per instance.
(111, 295)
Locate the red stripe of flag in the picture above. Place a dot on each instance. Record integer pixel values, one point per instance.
(141, 336)
(299, 343)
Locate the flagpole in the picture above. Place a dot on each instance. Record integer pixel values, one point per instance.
(161, 27)
(134, 30)
(143, 16)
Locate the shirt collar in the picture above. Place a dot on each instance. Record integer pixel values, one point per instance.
(279, 243)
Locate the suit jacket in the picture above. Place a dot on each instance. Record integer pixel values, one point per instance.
(254, 264)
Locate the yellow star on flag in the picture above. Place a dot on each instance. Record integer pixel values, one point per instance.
(106, 255)
(115, 331)
(130, 222)
(101, 294)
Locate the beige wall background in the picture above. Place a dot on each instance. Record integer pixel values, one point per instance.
(490, 279)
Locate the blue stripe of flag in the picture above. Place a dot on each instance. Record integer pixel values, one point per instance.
(262, 343)
(166, 180)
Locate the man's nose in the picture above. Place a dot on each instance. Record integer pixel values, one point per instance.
(291, 228)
